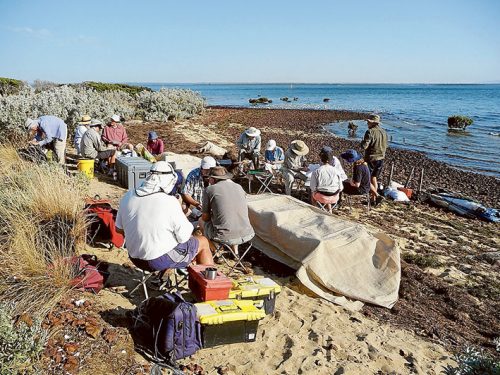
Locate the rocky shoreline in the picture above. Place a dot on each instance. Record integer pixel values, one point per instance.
(284, 125)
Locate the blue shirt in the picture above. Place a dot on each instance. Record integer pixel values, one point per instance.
(194, 185)
(276, 155)
(53, 127)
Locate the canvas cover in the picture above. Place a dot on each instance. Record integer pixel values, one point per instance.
(184, 162)
(333, 257)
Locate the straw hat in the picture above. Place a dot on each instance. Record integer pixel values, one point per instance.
(252, 132)
(373, 119)
(220, 173)
(85, 120)
(299, 147)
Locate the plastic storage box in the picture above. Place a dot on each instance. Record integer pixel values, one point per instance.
(228, 321)
(208, 290)
(262, 290)
(131, 171)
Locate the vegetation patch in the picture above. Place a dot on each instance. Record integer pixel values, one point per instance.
(9, 86)
(102, 86)
(459, 122)
(422, 260)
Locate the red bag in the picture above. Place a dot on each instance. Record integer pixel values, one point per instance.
(87, 276)
(103, 217)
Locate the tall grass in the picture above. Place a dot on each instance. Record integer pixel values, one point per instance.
(41, 222)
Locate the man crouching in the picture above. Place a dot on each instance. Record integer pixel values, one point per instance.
(157, 233)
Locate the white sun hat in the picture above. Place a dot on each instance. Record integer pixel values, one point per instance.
(115, 118)
(271, 145)
(208, 162)
(252, 132)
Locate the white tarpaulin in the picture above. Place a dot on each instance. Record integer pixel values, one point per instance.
(186, 163)
(332, 256)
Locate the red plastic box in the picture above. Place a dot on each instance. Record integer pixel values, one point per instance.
(208, 290)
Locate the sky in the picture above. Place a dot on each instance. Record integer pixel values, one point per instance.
(425, 41)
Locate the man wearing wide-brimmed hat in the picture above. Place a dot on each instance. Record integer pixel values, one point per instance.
(294, 163)
(81, 128)
(375, 145)
(54, 132)
(224, 210)
(249, 146)
(92, 146)
(158, 234)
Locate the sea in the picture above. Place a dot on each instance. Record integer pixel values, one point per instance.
(414, 115)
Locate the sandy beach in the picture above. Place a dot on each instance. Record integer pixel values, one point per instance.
(449, 294)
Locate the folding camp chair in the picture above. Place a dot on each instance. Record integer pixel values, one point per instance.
(220, 247)
(326, 202)
(264, 179)
(179, 276)
(350, 198)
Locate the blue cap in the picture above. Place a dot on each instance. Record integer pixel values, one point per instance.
(350, 156)
(152, 135)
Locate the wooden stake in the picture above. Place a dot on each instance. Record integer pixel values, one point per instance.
(390, 174)
(421, 180)
(409, 177)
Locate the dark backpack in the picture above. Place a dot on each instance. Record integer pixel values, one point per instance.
(89, 274)
(167, 328)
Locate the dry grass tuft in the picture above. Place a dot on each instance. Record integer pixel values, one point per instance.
(41, 222)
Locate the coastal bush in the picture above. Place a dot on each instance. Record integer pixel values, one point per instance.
(475, 362)
(42, 222)
(21, 342)
(71, 102)
(459, 122)
(101, 87)
(9, 86)
(422, 261)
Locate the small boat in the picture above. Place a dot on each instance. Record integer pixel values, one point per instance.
(464, 206)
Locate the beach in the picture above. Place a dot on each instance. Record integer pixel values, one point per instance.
(449, 294)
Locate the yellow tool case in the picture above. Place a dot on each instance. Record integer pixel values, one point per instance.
(228, 321)
(262, 290)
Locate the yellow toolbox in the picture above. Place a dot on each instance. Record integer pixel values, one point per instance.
(262, 290)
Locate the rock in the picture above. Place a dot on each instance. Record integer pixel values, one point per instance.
(326, 100)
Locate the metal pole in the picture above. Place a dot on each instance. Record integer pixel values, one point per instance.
(421, 180)
(390, 174)
(409, 177)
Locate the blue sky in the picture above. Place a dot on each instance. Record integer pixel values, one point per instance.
(423, 41)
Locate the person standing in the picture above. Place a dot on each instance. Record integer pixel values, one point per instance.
(54, 132)
(294, 163)
(249, 146)
(375, 144)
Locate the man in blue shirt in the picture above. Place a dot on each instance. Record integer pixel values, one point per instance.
(249, 146)
(274, 156)
(54, 132)
(196, 180)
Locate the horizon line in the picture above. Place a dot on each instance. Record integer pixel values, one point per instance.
(311, 83)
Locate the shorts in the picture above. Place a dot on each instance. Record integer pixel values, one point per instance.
(179, 257)
(376, 167)
(105, 154)
(352, 190)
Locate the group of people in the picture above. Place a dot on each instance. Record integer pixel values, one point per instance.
(92, 138)
(329, 180)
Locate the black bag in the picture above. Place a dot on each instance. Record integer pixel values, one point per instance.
(167, 328)
(33, 153)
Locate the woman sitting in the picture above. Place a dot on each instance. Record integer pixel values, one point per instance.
(155, 145)
(326, 183)
(360, 182)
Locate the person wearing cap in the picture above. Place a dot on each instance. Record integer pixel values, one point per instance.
(53, 132)
(375, 144)
(334, 161)
(196, 181)
(115, 134)
(157, 233)
(92, 146)
(274, 156)
(155, 145)
(249, 146)
(325, 181)
(294, 164)
(81, 128)
(360, 183)
(224, 210)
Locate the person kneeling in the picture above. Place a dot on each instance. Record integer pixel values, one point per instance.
(157, 233)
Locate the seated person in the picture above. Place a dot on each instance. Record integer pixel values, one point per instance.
(360, 182)
(225, 210)
(325, 181)
(155, 145)
(196, 181)
(274, 156)
(92, 146)
(80, 130)
(335, 162)
(294, 163)
(157, 233)
(115, 134)
(249, 146)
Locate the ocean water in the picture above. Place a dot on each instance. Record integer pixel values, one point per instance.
(415, 116)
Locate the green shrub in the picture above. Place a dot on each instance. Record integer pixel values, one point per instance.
(475, 362)
(459, 121)
(422, 261)
(21, 343)
(101, 86)
(9, 86)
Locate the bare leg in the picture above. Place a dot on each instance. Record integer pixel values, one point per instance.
(204, 255)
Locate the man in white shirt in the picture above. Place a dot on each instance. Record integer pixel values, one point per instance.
(157, 233)
(326, 182)
(80, 130)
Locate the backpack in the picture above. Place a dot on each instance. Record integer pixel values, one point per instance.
(102, 227)
(167, 328)
(87, 275)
